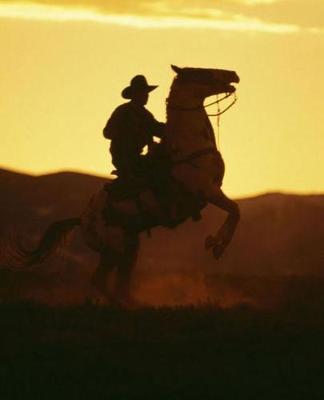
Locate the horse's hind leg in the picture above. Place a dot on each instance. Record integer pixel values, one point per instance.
(125, 268)
(100, 276)
(224, 235)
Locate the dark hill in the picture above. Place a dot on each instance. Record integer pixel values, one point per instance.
(280, 235)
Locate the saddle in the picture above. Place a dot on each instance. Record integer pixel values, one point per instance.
(175, 202)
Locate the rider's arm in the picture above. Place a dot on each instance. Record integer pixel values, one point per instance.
(156, 128)
(113, 124)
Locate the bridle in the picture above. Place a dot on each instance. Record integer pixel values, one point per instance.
(219, 111)
(217, 101)
(199, 153)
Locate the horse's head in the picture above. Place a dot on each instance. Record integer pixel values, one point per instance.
(204, 82)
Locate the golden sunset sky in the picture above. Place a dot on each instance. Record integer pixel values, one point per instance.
(65, 62)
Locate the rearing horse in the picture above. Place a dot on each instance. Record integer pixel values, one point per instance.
(196, 165)
(190, 141)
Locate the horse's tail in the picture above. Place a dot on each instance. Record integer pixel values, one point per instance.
(51, 240)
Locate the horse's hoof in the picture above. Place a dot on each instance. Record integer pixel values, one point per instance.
(218, 251)
(128, 303)
(209, 242)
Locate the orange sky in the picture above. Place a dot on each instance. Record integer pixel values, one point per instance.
(65, 63)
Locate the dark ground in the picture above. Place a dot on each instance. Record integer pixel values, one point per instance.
(97, 352)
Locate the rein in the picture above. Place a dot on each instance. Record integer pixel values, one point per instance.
(220, 112)
(199, 153)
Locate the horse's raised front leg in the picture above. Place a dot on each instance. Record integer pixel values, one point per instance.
(224, 235)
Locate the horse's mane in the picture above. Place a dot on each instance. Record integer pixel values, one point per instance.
(171, 91)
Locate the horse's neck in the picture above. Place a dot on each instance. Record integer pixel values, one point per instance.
(181, 98)
(188, 128)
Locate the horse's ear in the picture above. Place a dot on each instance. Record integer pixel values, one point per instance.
(176, 69)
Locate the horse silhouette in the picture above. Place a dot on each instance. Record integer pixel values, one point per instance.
(195, 165)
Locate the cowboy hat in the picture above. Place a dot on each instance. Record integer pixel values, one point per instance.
(138, 83)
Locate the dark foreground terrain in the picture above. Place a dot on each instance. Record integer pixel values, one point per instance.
(97, 352)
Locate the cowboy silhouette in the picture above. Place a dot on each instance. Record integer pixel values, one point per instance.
(131, 127)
